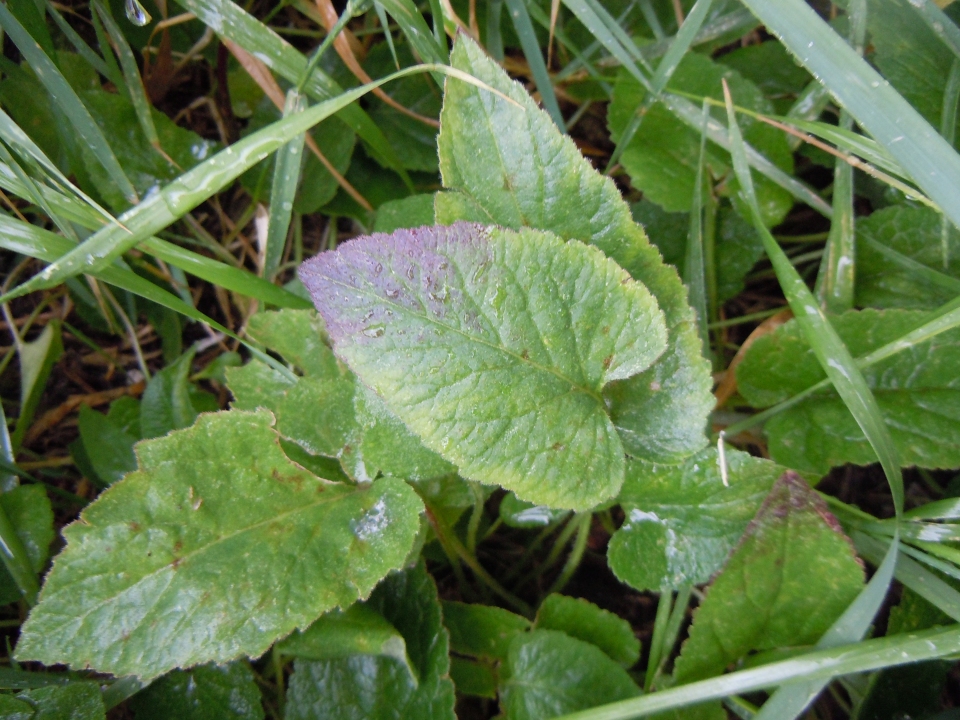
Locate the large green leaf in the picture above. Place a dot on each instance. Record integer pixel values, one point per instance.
(900, 259)
(76, 701)
(325, 410)
(682, 521)
(663, 155)
(214, 548)
(581, 619)
(540, 180)
(378, 686)
(792, 575)
(206, 692)
(917, 390)
(548, 673)
(494, 347)
(29, 511)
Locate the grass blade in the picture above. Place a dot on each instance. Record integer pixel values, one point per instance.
(930, 162)
(531, 50)
(80, 45)
(67, 100)
(694, 276)
(286, 177)
(832, 354)
(822, 665)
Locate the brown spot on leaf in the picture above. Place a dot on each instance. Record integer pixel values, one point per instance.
(557, 446)
(607, 362)
(525, 354)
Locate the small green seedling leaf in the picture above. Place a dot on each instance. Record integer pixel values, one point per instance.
(494, 347)
(585, 621)
(548, 673)
(171, 401)
(28, 509)
(792, 575)
(76, 701)
(482, 631)
(108, 445)
(682, 521)
(915, 389)
(381, 686)
(216, 547)
(206, 692)
(521, 514)
(542, 181)
(37, 359)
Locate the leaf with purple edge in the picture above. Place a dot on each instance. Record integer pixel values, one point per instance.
(494, 346)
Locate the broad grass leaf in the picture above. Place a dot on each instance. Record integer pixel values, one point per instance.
(681, 521)
(217, 546)
(378, 686)
(548, 673)
(917, 390)
(206, 692)
(494, 347)
(793, 573)
(541, 180)
(583, 620)
(29, 511)
(920, 281)
(482, 631)
(663, 155)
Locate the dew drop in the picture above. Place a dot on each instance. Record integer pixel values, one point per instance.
(393, 293)
(378, 269)
(373, 331)
(136, 13)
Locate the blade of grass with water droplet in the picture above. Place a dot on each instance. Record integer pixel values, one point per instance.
(882, 112)
(81, 46)
(530, 45)
(832, 354)
(230, 21)
(283, 189)
(67, 100)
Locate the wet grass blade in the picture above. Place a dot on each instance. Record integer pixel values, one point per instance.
(81, 46)
(530, 45)
(832, 354)
(879, 109)
(68, 101)
(822, 666)
(230, 21)
(286, 177)
(694, 275)
(200, 183)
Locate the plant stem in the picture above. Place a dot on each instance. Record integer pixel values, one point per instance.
(576, 555)
(475, 517)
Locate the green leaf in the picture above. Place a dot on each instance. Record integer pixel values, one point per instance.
(482, 631)
(473, 678)
(211, 550)
(770, 67)
(170, 401)
(29, 511)
(681, 521)
(885, 279)
(206, 692)
(542, 181)
(915, 389)
(358, 630)
(662, 157)
(548, 673)
(13, 709)
(76, 701)
(585, 621)
(792, 575)
(494, 347)
(379, 687)
(109, 447)
(37, 359)
(409, 212)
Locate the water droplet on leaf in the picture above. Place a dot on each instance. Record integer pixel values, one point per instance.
(136, 13)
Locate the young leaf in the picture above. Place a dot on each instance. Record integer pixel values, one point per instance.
(548, 673)
(900, 262)
(170, 401)
(585, 621)
(915, 389)
(28, 509)
(77, 701)
(793, 574)
(494, 347)
(380, 687)
(37, 359)
(108, 445)
(206, 692)
(682, 521)
(482, 631)
(544, 182)
(217, 546)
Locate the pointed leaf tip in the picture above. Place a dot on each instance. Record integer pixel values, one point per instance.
(494, 346)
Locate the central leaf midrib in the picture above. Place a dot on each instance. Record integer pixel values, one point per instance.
(480, 341)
